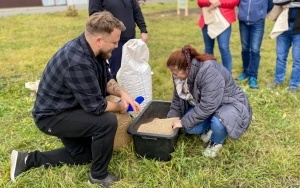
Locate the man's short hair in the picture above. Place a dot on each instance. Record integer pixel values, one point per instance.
(103, 22)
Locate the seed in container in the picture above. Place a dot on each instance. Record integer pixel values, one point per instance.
(158, 126)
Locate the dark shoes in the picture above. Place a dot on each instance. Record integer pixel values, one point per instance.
(18, 164)
(106, 182)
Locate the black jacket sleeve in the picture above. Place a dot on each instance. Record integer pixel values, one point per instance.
(138, 16)
(95, 6)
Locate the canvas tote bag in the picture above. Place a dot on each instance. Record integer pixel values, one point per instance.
(281, 24)
(218, 26)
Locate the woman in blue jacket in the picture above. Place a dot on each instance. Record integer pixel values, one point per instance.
(251, 15)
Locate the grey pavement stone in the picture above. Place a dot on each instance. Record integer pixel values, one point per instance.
(49, 9)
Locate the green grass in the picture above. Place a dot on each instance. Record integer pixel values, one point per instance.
(266, 156)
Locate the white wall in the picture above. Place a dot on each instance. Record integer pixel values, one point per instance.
(77, 2)
(64, 2)
(54, 2)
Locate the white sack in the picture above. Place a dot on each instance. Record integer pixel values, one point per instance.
(135, 72)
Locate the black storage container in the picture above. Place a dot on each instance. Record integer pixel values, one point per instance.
(153, 146)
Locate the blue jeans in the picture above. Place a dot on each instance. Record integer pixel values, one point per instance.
(219, 132)
(251, 35)
(283, 43)
(223, 43)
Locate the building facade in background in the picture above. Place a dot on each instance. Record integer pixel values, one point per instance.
(32, 3)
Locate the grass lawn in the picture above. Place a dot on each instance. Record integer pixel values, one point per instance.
(267, 155)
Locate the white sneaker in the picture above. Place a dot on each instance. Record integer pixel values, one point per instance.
(205, 137)
(212, 149)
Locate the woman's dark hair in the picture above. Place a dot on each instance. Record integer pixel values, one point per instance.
(182, 58)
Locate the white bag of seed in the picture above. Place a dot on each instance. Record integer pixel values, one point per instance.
(135, 71)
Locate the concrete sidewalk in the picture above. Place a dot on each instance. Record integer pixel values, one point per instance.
(37, 10)
(49, 9)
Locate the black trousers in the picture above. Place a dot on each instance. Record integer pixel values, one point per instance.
(116, 58)
(87, 138)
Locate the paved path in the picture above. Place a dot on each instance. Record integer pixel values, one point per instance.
(35, 10)
(49, 9)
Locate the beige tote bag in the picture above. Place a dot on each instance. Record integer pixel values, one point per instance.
(218, 26)
(281, 24)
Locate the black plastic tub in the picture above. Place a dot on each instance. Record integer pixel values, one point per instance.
(153, 146)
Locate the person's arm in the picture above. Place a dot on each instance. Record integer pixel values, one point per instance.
(175, 110)
(95, 6)
(139, 20)
(114, 88)
(203, 3)
(230, 4)
(175, 107)
(212, 85)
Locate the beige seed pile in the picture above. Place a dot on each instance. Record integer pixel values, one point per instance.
(158, 126)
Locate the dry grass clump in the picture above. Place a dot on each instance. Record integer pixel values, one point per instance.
(71, 11)
(158, 126)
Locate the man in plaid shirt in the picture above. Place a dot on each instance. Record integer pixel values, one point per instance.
(71, 104)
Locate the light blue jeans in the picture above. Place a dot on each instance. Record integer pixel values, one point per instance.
(223, 43)
(219, 132)
(284, 42)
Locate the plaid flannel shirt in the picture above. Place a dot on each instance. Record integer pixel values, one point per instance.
(73, 78)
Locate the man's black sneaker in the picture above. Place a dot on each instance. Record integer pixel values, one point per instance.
(106, 182)
(18, 164)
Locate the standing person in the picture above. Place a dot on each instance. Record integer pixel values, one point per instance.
(251, 16)
(71, 105)
(129, 12)
(226, 8)
(286, 40)
(207, 99)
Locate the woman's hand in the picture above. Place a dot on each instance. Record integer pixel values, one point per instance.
(214, 4)
(177, 124)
